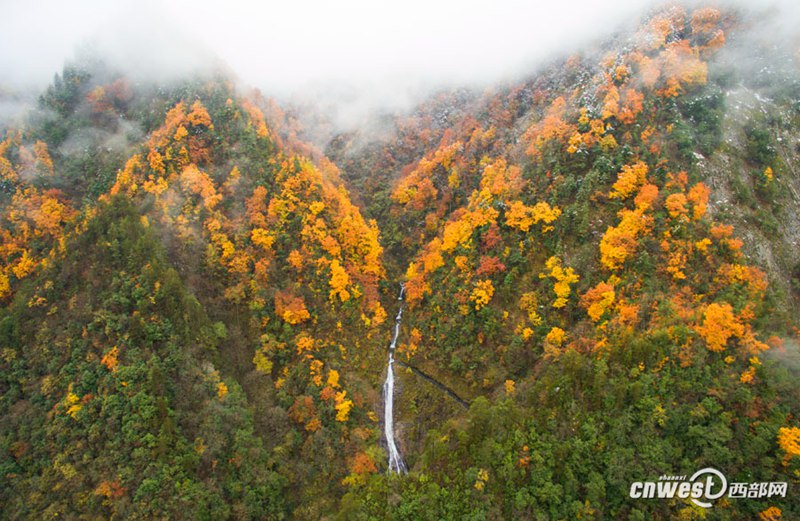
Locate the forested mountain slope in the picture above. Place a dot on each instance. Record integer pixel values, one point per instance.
(598, 260)
(606, 251)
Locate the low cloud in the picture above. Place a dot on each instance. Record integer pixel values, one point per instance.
(290, 47)
(354, 55)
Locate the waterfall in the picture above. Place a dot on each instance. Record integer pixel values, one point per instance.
(396, 463)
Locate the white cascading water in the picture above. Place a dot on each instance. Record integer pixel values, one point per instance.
(396, 463)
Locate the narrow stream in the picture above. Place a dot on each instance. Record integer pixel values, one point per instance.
(396, 463)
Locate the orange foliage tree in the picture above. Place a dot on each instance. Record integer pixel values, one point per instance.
(718, 326)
